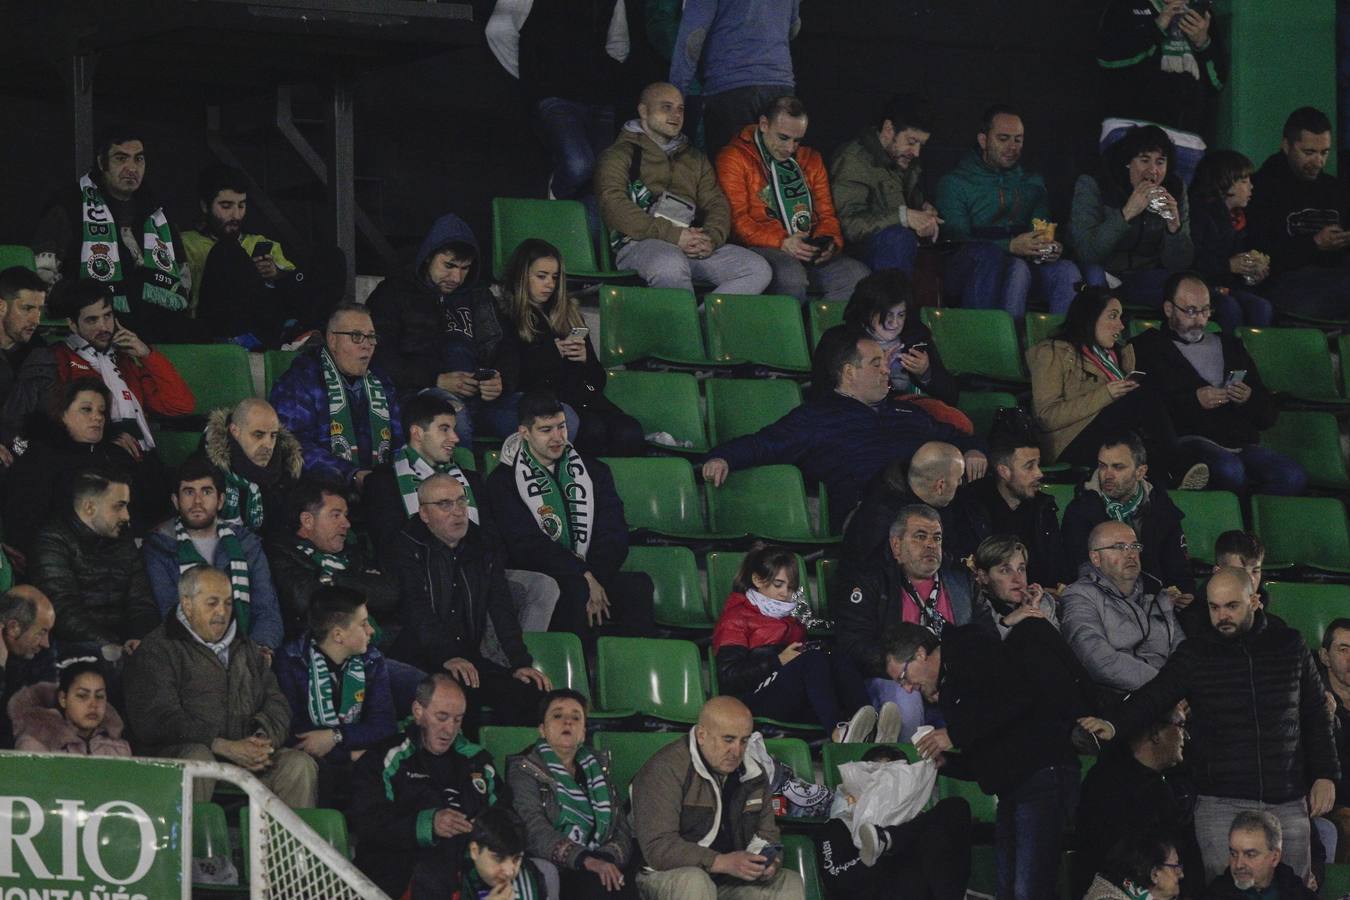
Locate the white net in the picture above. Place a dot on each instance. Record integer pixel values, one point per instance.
(290, 869)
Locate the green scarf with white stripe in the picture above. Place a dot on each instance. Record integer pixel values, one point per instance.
(473, 887)
(1177, 53)
(787, 194)
(583, 814)
(329, 563)
(324, 708)
(411, 469)
(242, 501)
(341, 433)
(101, 257)
(1124, 510)
(237, 570)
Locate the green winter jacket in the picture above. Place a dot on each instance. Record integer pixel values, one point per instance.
(869, 188)
(979, 203)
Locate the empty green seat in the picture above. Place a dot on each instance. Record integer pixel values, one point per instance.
(982, 406)
(219, 374)
(502, 741)
(978, 342)
(799, 855)
(1337, 880)
(1309, 608)
(16, 255)
(657, 677)
(762, 329)
(822, 315)
(464, 458)
(765, 501)
(173, 447)
(678, 592)
(329, 824)
(722, 566)
(1307, 532)
(982, 806)
(793, 752)
(1040, 325)
(659, 495)
(560, 222)
(1314, 440)
(639, 323)
(275, 364)
(210, 832)
(826, 572)
(741, 406)
(1294, 362)
(833, 755)
(1208, 514)
(558, 655)
(661, 401)
(1063, 494)
(491, 460)
(629, 751)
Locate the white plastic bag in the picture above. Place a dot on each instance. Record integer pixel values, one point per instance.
(888, 793)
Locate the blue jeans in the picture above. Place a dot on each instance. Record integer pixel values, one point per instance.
(820, 684)
(912, 713)
(1028, 830)
(1253, 468)
(498, 418)
(893, 247)
(985, 276)
(575, 134)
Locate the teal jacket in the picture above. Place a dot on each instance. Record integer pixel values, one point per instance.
(983, 204)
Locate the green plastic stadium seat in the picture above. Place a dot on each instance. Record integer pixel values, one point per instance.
(659, 495)
(795, 753)
(661, 401)
(638, 323)
(823, 598)
(1314, 439)
(1040, 325)
(823, 315)
(16, 255)
(1208, 514)
(981, 407)
(741, 406)
(491, 460)
(657, 677)
(464, 458)
(1294, 362)
(765, 501)
(799, 855)
(982, 806)
(1343, 351)
(832, 756)
(331, 825)
(763, 329)
(210, 833)
(219, 374)
(558, 655)
(173, 447)
(678, 595)
(275, 364)
(1307, 532)
(722, 566)
(1309, 608)
(502, 741)
(629, 751)
(560, 222)
(1063, 494)
(978, 342)
(1337, 880)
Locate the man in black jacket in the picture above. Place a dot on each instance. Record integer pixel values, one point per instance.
(22, 296)
(1256, 848)
(559, 513)
(1214, 394)
(1262, 733)
(455, 607)
(259, 460)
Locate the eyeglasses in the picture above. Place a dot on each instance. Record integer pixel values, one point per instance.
(1194, 311)
(360, 337)
(1167, 865)
(1121, 548)
(458, 503)
(904, 672)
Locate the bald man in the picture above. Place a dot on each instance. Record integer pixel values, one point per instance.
(701, 809)
(1260, 721)
(259, 460)
(26, 621)
(666, 215)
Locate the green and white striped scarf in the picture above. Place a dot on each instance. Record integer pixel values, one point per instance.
(473, 887)
(562, 506)
(787, 194)
(238, 568)
(583, 814)
(329, 563)
(341, 433)
(411, 469)
(242, 502)
(324, 708)
(1177, 53)
(101, 258)
(1124, 510)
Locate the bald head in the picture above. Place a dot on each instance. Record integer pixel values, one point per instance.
(26, 621)
(1232, 601)
(724, 728)
(935, 473)
(661, 112)
(255, 428)
(1113, 550)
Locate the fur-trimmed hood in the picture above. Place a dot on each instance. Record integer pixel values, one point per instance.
(40, 725)
(218, 444)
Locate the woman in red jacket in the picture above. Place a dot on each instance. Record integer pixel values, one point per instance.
(764, 659)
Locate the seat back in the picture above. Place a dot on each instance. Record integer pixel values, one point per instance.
(558, 655)
(560, 222)
(766, 330)
(1314, 440)
(1208, 514)
(329, 824)
(982, 406)
(275, 364)
(979, 342)
(677, 598)
(658, 494)
(1309, 608)
(661, 401)
(765, 501)
(656, 677)
(16, 255)
(1293, 361)
(658, 323)
(983, 807)
(794, 753)
(210, 833)
(722, 566)
(502, 741)
(823, 315)
(1063, 494)
(832, 756)
(1040, 325)
(1302, 531)
(799, 855)
(741, 406)
(630, 750)
(219, 374)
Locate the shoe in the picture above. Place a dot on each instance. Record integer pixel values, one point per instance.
(861, 726)
(870, 851)
(888, 724)
(1196, 478)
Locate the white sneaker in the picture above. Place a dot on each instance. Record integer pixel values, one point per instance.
(888, 724)
(861, 726)
(1196, 478)
(870, 850)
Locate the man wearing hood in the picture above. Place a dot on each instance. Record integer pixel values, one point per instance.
(259, 460)
(438, 327)
(666, 215)
(992, 205)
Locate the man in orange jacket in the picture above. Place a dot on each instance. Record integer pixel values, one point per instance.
(781, 206)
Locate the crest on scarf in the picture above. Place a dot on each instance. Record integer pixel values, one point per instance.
(479, 783)
(856, 596)
(550, 522)
(100, 262)
(160, 253)
(801, 218)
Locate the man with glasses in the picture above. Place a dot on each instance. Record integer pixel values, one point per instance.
(1214, 394)
(1114, 617)
(344, 412)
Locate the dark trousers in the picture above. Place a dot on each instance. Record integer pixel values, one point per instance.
(236, 300)
(513, 702)
(580, 884)
(725, 114)
(1320, 292)
(1142, 412)
(630, 605)
(929, 858)
(1029, 830)
(820, 685)
(606, 430)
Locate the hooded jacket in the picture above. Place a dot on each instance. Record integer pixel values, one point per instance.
(870, 189)
(1121, 639)
(981, 203)
(1101, 236)
(409, 313)
(1286, 211)
(681, 170)
(282, 472)
(41, 727)
(745, 182)
(1156, 524)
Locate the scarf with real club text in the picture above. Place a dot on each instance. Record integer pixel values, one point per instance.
(188, 556)
(583, 811)
(341, 432)
(324, 707)
(242, 501)
(411, 469)
(125, 406)
(1177, 53)
(563, 506)
(788, 195)
(101, 259)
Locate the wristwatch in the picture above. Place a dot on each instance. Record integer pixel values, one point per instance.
(337, 736)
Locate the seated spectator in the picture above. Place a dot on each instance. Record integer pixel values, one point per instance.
(22, 296)
(1255, 862)
(1000, 214)
(244, 288)
(781, 206)
(545, 329)
(198, 536)
(877, 181)
(338, 688)
(849, 418)
(1142, 865)
(86, 561)
(416, 796)
(343, 411)
(572, 810)
(1119, 491)
(1003, 595)
(931, 477)
(926, 856)
(112, 230)
(439, 327)
(70, 716)
(26, 621)
(259, 460)
(1009, 502)
(451, 584)
(880, 307)
(313, 552)
(1334, 656)
(763, 659)
(495, 862)
(1215, 395)
(1084, 386)
(1012, 734)
(1224, 249)
(666, 215)
(559, 513)
(1244, 550)
(1137, 789)
(910, 584)
(199, 689)
(703, 816)
(1121, 627)
(1300, 215)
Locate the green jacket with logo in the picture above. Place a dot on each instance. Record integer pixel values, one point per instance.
(980, 203)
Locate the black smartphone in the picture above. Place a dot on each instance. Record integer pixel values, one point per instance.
(820, 241)
(771, 853)
(1200, 7)
(921, 345)
(484, 374)
(812, 645)
(262, 248)
(1136, 375)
